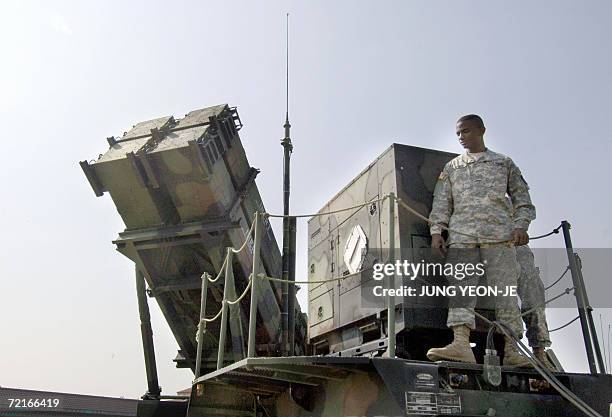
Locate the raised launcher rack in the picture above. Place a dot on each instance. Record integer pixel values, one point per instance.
(340, 322)
(186, 192)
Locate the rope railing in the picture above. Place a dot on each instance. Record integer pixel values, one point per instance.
(244, 244)
(328, 212)
(226, 271)
(244, 293)
(215, 317)
(322, 281)
(444, 227)
(558, 279)
(252, 286)
(413, 211)
(236, 301)
(546, 302)
(565, 325)
(401, 203)
(246, 240)
(453, 230)
(554, 231)
(221, 271)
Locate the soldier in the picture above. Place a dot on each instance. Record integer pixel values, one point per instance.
(470, 199)
(531, 292)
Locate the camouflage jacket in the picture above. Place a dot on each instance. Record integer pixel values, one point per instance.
(471, 196)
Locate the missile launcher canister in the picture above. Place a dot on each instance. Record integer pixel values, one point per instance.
(185, 191)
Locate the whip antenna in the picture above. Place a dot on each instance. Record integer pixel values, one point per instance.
(288, 289)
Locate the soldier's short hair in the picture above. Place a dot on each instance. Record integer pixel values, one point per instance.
(472, 117)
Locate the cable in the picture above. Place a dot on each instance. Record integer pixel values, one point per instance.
(489, 344)
(562, 389)
(554, 231)
(604, 343)
(565, 325)
(558, 279)
(550, 300)
(420, 216)
(537, 364)
(263, 276)
(329, 212)
(262, 406)
(609, 348)
(540, 367)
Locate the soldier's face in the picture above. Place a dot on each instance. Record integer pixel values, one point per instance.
(470, 134)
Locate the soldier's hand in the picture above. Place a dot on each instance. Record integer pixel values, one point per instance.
(520, 237)
(438, 243)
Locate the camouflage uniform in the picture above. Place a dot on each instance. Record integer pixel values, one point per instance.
(470, 197)
(501, 268)
(531, 293)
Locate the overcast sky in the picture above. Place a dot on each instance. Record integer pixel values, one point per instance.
(363, 75)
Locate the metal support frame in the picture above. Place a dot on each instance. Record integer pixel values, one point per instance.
(589, 332)
(235, 315)
(391, 279)
(226, 291)
(153, 391)
(202, 325)
(199, 155)
(141, 175)
(149, 170)
(254, 287)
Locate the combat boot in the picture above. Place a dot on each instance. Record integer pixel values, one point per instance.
(458, 351)
(512, 357)
(540, 353)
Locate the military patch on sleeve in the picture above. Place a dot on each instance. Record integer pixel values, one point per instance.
(443, 175)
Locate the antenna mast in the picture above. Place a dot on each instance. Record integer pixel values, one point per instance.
(288, 290)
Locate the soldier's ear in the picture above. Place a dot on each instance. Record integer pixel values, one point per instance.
(484, 129)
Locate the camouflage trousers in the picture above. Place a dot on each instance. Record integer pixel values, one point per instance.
(502, 271)
(531, 292)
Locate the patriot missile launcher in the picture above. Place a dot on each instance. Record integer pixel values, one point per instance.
(186, 193)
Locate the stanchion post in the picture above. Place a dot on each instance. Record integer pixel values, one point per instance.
(580, 297)
(391, 278)
(223, 330)
(589, 312)
(202, 326)
(254, 287)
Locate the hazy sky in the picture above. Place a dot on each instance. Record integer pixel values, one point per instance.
(363, 75)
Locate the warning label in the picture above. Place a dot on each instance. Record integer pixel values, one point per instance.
(449, 403)
(429, 403)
